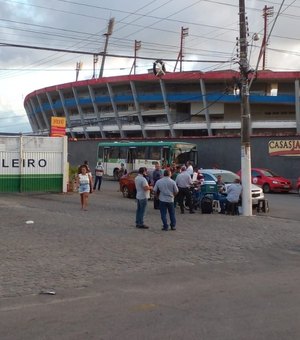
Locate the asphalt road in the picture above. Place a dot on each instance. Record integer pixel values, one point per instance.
(215, 277)
(283, 205)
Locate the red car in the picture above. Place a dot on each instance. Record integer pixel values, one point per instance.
(127, 184)
(269, 181)
(298, 185)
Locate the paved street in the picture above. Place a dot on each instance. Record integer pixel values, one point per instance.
(215, 277)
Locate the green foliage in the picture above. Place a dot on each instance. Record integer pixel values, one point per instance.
(72, 172)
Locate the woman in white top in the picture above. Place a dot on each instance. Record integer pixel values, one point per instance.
(84, 183)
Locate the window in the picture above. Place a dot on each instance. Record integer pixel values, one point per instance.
(141, 152)
(100, 152)
(155, 153)
(255, 173)
(208, 177)
(123, 152)
(114, 152)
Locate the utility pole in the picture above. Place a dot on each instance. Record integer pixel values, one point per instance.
(245, 115)
(107, 35)
(267, 12)
(137, 46)
(78, 68)
(184, 33)
(95, 61)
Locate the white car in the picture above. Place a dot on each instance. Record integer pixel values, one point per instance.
(228, 177)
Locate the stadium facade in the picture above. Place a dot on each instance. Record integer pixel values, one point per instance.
(179, 104)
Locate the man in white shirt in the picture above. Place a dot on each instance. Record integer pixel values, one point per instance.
(184, 182)
(99, 171)
(142, 196)
(190, 169)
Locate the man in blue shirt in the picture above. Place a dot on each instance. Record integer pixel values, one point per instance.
(234, 192)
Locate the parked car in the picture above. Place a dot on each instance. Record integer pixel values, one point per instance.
(228, 177)
(298, 185)
(127, 184)
(269, 181)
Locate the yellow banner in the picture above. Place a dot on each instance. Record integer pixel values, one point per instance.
(284, 147)
(58, 122)
(58, 126)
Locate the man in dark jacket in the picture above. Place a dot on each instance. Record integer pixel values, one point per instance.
(156, 175)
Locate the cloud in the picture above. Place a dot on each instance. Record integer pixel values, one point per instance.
(213, 28)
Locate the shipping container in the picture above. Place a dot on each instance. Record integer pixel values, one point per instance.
(33, 164)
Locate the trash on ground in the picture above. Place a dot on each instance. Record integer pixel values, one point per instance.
(29, 222)
(48, 291)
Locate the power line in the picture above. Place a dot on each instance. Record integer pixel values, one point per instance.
(101, 53)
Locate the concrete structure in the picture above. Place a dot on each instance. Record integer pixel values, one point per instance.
(178, 104)
(32, 163)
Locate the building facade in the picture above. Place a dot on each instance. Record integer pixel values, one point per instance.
(179, 104)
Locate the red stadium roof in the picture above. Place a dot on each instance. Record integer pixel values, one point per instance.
(172, 76)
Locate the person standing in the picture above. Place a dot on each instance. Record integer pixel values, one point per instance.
(174, 175)
(99, 171)
(189, 169)
(176, 172)
(156, 175)
(184, 182)
(84, 183)
(122, 171)
(167, 189)
(142, 196)
(86, 164)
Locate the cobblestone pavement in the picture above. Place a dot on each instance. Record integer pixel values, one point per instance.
(68, 248)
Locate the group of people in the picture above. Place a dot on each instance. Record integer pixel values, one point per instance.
(171, 188)
(165, 189)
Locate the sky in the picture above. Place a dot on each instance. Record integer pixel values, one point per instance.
(81, 27)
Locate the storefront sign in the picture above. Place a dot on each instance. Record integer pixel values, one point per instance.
(58, 126)
(284, 147)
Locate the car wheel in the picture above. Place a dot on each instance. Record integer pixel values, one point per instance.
(299, 191)
(125, 192)
(266, 188)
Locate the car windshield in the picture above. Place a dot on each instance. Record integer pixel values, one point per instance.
(227, 177)
(269, 173)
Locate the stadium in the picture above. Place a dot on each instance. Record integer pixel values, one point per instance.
(173, 105)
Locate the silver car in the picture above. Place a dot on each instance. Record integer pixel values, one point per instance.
(228, 177)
